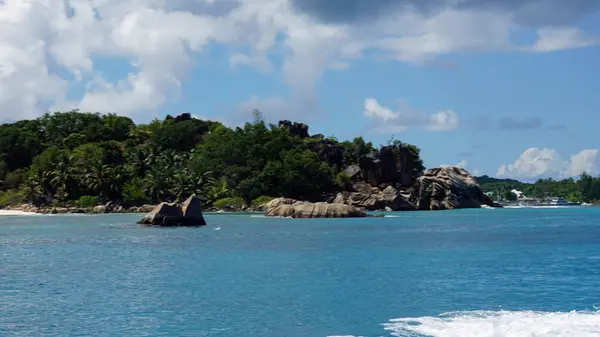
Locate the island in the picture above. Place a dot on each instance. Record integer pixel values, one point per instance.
(77, 162)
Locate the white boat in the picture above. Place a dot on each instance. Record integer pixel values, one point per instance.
(559, 201)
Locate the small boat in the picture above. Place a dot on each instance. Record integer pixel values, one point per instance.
(560, 201)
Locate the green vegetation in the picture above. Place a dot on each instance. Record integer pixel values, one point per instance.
(261, 201)
(85, 159)
(87, 201)
(233, 203)
(11, 198)
(585, 189)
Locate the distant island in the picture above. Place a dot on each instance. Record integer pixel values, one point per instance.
(584, 190)
(83, 162)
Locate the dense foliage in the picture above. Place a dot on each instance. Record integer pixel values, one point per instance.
(83, 158)
(585, 189)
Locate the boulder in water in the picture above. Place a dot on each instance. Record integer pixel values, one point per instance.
(188, 214)
(305, 210)
(192, 212)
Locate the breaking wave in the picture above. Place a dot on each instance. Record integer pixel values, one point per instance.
(499, 324)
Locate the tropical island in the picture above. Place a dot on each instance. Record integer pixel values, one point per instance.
(90, 162)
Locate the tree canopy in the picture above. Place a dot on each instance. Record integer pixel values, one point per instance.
(585, 189)
(66, 157)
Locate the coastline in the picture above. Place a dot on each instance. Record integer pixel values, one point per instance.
(6, 212)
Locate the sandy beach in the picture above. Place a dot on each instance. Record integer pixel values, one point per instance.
(4, 212)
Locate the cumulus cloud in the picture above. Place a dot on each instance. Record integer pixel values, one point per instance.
(551, 39)
(462, 164)
(538, 163)
(405, 117)
(48, 47)
(509, 123)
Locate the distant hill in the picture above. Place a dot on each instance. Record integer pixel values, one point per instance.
(491, 180)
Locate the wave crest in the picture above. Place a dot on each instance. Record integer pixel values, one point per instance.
(499, 324)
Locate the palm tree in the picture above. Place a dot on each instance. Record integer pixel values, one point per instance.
(61, 177)
(157, 182)
(216, 189)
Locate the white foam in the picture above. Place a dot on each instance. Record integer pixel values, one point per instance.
(499, 324)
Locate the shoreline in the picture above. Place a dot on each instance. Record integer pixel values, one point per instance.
(8, 212)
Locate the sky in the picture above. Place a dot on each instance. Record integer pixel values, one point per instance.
(507, 88)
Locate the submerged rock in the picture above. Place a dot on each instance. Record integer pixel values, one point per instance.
(188, 214)
(448, 188)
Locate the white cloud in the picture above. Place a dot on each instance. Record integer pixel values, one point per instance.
(538, 163)
(388, 121)
(49, 46)
(552, 39)
(462, 164)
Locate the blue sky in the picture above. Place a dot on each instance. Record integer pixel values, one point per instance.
(504, 88)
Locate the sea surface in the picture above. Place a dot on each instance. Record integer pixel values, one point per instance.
(487, 272)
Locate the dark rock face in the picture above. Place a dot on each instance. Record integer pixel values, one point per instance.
(392, 166)
(296, 129)
(448, 188)
(192, 212)
(329, 152)
(188, 214)
(186, 116)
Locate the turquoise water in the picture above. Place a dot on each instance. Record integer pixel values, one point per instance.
(517, 272)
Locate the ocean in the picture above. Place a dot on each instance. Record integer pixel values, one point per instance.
(485, 272)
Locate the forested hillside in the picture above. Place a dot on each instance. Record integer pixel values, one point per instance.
(84, 158)
(586, 188)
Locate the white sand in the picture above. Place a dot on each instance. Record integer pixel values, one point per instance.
(4, 212)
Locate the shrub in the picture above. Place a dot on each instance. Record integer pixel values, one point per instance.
(11, 198)
(15, 179)
(87, 201)
(342, 180)
(235, 203)
(134, 192)
(261, 200)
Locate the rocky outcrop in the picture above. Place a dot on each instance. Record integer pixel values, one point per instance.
(392, 166)
(306, 210)
(448, 188)
(374, 199)
(328, 151)
(186, 116)
(296, 129)
(192, 212)
(189, 214)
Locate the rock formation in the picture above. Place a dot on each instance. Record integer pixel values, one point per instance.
(392, 166)
(374, 199)
(448, 188)
(296, 129)
(284, 207)
(328, 151)
(188, 214)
